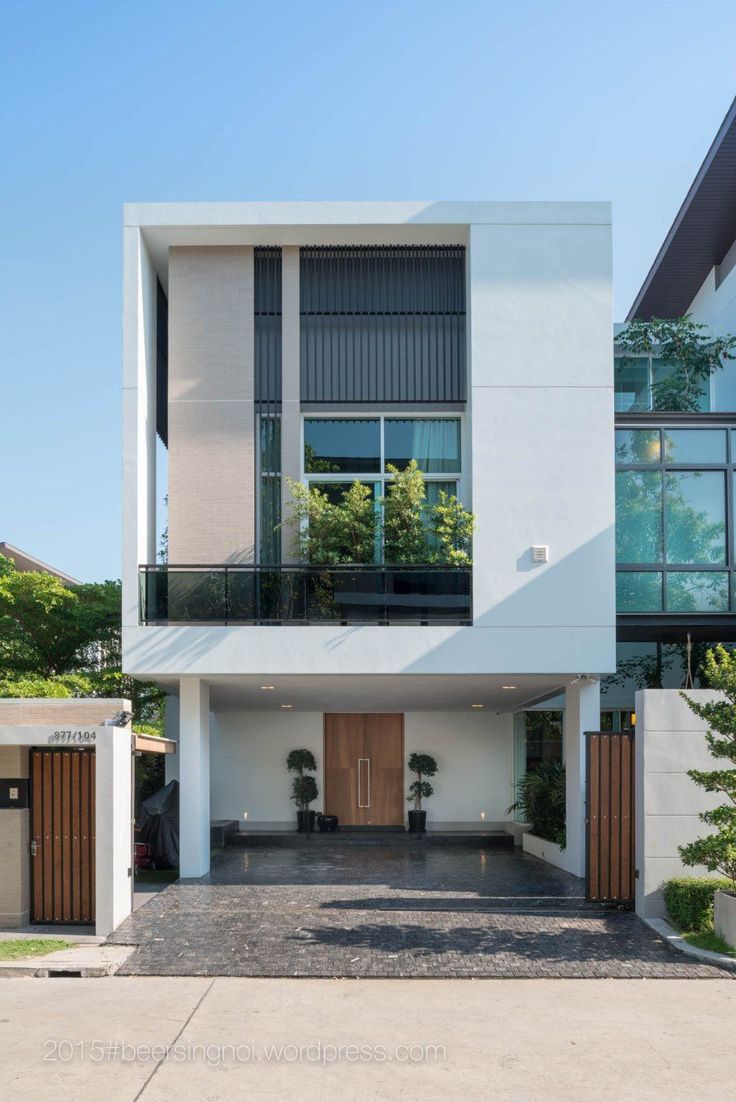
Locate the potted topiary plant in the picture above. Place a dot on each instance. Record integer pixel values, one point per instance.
(304, 786)
(423, 765)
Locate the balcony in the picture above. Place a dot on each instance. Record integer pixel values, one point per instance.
(290, 595)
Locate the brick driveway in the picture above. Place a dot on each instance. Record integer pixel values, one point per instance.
(390, 912)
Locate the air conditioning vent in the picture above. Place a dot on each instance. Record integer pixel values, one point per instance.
(540, 553)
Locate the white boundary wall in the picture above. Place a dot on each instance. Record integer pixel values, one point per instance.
(113, 827)
(669, 741)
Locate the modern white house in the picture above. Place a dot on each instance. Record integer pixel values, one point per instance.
(267, 344)
(321, 342)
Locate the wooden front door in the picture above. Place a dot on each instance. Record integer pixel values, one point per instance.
(364, 768)
(63, 836)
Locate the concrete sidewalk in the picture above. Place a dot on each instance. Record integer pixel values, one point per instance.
(498, 1040)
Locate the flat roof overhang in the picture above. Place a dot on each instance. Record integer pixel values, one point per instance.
(291, 693)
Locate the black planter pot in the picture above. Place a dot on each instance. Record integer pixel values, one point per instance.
(418, 822)
(301, 821)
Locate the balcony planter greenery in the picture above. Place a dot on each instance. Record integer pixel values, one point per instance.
(541, 800)
(422, 765)
(406, 529)
(304, 790)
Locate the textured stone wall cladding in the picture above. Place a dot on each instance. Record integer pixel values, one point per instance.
(40, 713)
(211, 383)
(14, 867)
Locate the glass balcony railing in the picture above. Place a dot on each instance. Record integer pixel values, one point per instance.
(299, 594)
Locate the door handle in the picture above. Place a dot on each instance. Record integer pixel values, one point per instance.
(364, 799)
(34, 848)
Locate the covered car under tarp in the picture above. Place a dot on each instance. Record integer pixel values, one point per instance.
(158, 824)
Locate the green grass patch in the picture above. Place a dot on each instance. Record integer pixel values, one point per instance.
(17, 947)
(709, 939)
(156, 876)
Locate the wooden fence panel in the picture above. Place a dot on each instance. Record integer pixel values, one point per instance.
(610, 817)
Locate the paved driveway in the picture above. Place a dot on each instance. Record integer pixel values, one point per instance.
(390, 912)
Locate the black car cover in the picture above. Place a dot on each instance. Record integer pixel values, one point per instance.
(158, 824)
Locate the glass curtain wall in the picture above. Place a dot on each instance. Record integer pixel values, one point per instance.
(674, 526)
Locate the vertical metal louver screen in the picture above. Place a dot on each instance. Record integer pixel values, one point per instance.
(383, 324)
(267, 294)
(267, 308)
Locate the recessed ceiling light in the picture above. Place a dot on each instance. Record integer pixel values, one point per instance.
(268, 688)
(477, 705)
(508, 686)
(287, 705)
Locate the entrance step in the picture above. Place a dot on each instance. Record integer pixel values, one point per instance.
(390, 839)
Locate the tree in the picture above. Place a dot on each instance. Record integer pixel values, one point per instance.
(328, 533)
(452, 525)
(49, 628)
(60, 640)
(717, 851)
(687, 355)
(405, 535)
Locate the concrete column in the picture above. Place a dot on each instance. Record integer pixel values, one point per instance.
(113, 828)
(194, 777)
(582, 713)
(290, 387)
(211, 405)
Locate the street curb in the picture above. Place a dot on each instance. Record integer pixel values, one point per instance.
(677, 941)
(80, 963)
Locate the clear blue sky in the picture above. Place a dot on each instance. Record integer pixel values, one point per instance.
(430, 99)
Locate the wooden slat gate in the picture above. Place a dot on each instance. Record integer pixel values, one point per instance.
(63, 836)
(610, 817)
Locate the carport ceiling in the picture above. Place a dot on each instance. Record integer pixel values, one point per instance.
(364, 693)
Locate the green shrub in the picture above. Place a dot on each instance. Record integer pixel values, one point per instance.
(689, 900)
(541, 800)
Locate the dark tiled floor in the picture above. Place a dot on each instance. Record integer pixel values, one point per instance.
(383, 912)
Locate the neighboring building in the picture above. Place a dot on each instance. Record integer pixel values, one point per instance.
(320, 341)
(24, 561)
(675, 506)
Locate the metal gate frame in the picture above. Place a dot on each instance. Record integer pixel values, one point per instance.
(610, 856)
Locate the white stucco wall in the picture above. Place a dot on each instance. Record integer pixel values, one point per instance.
(716, 307)
(669, 741)
(248, 761)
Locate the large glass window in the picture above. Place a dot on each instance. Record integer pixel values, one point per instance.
(333, 445)
(638, 516)
(674, 503)
(338, 450)
(270, 495)
(631, 385)
(633, 380)
(695, 515)
(433, 441)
